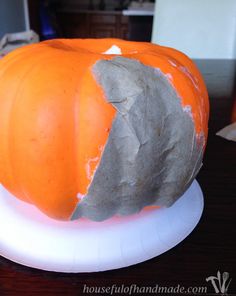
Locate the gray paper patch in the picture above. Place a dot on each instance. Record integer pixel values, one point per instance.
(151, 156)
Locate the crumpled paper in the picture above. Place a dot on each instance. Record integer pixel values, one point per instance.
(152, 154)
(12, 41)
(228, 132)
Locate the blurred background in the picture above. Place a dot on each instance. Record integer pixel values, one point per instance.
(203, 29)
(79, 18)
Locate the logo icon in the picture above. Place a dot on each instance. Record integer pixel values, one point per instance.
(220, 282)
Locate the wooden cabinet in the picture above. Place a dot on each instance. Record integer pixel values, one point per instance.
(93, 24)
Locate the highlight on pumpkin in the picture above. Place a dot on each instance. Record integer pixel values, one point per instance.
(100, 127)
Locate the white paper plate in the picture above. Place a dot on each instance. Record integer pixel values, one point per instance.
(32, 239)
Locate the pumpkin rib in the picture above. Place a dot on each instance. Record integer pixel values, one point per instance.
(24, 194)
(54, 203)
(17, 55)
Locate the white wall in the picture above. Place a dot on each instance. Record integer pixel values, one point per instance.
(200, 28)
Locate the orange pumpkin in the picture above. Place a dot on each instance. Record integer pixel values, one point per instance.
(55, 119)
